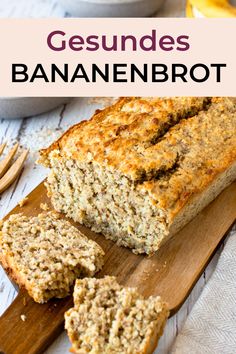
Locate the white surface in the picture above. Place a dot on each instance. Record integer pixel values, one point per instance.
(37, 133)
(211, 326)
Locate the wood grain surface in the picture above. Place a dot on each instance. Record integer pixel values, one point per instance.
(171, 273)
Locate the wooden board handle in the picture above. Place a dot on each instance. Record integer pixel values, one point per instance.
(27, 327)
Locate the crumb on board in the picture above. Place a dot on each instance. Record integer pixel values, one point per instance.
(24, 301)
(44, 206)
(23, 201)
(145, 276)
(23, 318)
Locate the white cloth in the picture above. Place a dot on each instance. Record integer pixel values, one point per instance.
(211, 325)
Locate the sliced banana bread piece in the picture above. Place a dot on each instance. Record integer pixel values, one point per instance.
(108, 318)
(139, 170)
(45, 254)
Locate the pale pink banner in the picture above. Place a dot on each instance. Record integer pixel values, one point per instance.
(117, 57)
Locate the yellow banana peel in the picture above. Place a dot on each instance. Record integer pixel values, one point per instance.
(210, 8)
(189, 10)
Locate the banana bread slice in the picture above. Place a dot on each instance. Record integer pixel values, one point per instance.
(139, 170)
(108, 318)
(46, 254)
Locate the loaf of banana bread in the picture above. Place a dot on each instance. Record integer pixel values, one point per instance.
(108, 318)
(139, 170)
(45, 254)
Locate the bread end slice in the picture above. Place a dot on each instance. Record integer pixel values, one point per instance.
(46, 254)
(108, 318)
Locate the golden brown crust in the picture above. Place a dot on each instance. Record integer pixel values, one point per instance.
(10, 270)
(128, 122)
(154, 339)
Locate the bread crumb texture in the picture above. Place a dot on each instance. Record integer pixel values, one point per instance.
(46, 254)
(108, 318)
(142, 168)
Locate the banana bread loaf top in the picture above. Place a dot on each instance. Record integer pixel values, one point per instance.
(171, 147)
(173, 155)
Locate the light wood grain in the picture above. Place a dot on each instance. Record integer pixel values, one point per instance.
(171, 273)
(13, 172)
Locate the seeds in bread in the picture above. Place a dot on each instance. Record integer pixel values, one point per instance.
(46, 254)
(108, 318)
(139, 170)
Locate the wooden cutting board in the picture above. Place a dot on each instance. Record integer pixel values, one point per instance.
(171, 273)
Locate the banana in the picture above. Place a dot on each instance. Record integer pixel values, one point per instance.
(189, 10)
(210, 8)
